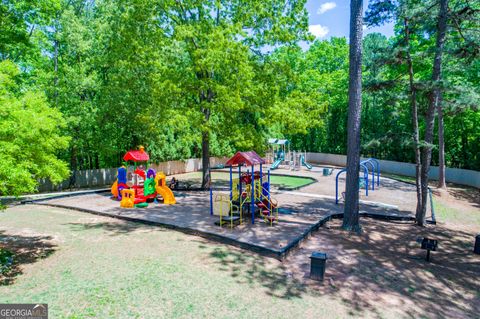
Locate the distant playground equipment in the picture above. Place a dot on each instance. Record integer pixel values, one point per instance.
(249, 192)
(280, 154)
(135, 186)
(374, 164)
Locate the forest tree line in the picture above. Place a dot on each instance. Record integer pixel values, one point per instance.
(81, 82)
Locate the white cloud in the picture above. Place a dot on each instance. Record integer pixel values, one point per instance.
(327, 6)
(318, 30)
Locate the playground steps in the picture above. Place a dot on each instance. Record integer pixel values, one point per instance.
(227, 220)
(264, 204)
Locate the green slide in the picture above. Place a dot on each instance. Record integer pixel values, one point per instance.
(304, 163)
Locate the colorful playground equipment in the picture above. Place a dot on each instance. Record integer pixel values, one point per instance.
(280, 154)
(374, 164)
(135, 186)
(249, 192)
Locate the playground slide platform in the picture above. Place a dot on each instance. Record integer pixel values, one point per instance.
(276, 163)
(304, 163)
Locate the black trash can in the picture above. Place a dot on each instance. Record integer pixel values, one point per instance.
(476, 250)
(317, 265)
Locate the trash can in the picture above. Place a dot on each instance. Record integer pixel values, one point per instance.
(327, 171)
(476, 250)
(317, 265)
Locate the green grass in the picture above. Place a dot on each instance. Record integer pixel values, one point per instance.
(401, 178)
(276, 180)
(451, 215)
(107, 268)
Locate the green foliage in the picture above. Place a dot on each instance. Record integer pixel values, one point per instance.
(386, 99)
(313, 86)
(164, 73)
(29, 136)
(6, 260)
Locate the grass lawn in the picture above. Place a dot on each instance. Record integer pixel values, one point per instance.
(220, 177)
(85, 266)
(453, 215)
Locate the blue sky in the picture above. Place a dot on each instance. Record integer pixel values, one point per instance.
(332, 18)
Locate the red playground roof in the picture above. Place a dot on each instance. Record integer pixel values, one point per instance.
(136, 156)
(245, 158)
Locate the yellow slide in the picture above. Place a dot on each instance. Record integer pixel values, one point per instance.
(114, 189)
(162, 189)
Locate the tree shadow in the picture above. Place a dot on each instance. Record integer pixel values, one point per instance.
(113, 228)
(26, 250)
(253, 269)
(464, 193)
(384, 267)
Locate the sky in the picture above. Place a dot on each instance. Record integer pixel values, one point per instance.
(331, 18)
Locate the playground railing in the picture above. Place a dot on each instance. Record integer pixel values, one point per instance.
(272, 206)
(226, 208)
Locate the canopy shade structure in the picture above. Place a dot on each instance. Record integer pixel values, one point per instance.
(136, 156)
(277, 141)
(245, 158)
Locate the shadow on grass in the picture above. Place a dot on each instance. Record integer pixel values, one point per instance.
(380, 269)
(26, 250)
(385, 262)
(252, 269)
(114, 228)
(465, 193)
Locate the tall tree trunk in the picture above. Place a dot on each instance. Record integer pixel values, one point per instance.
(414, 111)
(73, 167)
(351, 217)
(206, 152)
(441, 145)
(430, 116)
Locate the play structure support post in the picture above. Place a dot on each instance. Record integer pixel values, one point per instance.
(365, 176)
(252, 199)
(269, 189)
(231, 182)
(240, 183)
(336, 185)
(211, 201)
(370, 162)
(378, 170)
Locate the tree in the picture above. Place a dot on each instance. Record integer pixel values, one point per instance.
(351, 210)
(215, 43)
(29, 136)
(434, 99)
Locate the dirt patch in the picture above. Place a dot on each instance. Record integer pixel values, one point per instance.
(384, 267)
(26, 250)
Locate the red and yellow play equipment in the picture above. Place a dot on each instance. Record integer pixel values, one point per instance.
(137, 186)
(249, 193)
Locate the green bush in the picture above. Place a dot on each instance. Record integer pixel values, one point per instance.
(6, 260)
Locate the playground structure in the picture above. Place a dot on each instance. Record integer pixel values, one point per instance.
(135, 186)
(280, 154)
(375, 168)
(249, 192)
(294, 215)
